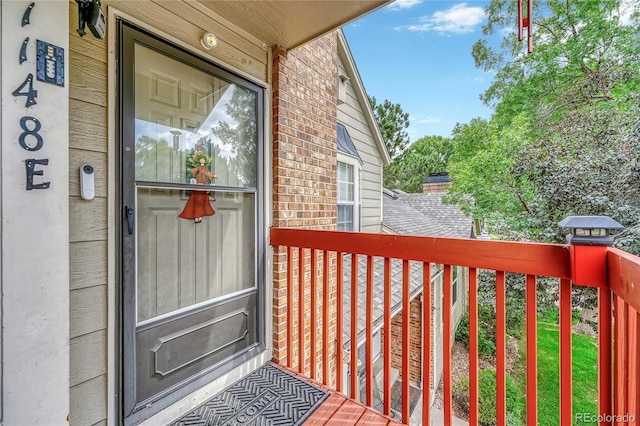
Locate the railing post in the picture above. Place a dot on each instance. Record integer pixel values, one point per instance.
(605, 384)
(426, 343)
(501, 344)
(406, 333)
(589, 241)
(473, 346)
(339, 319)
(566, 413)
(387, 336)
(532, 350)
(446, 347)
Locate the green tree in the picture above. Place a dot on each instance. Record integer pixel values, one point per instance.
(481, 168)
(429, 154)
(241, 132)
(155, 160)
(565, 131)
(393, 123)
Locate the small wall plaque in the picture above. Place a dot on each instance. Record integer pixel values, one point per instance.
(50, 63)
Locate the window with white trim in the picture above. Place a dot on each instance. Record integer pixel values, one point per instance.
(347, 197)
(349, 164)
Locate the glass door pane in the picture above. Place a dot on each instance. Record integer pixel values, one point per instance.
(186, 117)
(182, 262)
(198, 132)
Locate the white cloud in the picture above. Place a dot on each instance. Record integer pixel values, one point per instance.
(627, 8)
(478, 79)
(426, 120)
(458, 19)
(403, 4)
(507, 31)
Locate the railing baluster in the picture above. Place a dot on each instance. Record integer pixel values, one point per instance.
(619, 393)
(446, 345)
(313, 323)
(369, 333)
(566, 410)
(604, 355)
(637, 412)
(387, 336)
(501, 335)
(406, 328)
(354, 326)
(632, 360)
(301, 310)
(290, 305)
(532, 351)
(625, 361)
(325, 317)
(339, 318)
(473, 346)
(426, 343)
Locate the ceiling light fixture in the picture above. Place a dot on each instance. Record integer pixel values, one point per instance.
(209, 41)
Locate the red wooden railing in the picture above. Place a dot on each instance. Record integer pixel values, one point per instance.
(619, 297)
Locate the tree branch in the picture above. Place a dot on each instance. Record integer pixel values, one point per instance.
(524, 204)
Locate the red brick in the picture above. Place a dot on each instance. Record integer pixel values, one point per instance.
(304, 179)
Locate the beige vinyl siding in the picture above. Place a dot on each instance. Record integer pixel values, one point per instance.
(461, 304)
(88, 231)
(457, 313)
(350, 114)
(87, 227)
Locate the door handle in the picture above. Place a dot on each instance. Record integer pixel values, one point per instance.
(129, 213)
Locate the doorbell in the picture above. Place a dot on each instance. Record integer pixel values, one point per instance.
(87, 187)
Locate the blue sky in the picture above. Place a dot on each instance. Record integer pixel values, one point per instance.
(418, 54)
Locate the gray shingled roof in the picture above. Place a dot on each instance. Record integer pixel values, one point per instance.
(415, 285)
(424, 214)
(408, 214)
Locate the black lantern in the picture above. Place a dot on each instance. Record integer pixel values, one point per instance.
(590, 230)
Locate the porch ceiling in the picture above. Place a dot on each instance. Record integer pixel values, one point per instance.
(290, 23)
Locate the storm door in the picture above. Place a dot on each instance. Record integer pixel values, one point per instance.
(192, 238)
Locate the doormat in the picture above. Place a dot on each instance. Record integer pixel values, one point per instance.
(268, 396)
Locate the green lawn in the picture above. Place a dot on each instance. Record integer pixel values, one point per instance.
(585, 374)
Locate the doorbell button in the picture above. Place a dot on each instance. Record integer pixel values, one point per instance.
(87, 186)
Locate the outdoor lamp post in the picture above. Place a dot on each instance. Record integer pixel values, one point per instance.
(590, 230)
(588, 241)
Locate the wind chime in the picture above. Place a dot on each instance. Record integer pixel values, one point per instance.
(526, 21)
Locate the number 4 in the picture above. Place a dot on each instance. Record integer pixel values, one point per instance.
(31, 94)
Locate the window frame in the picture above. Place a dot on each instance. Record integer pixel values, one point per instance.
(454, 285)
(357, 196)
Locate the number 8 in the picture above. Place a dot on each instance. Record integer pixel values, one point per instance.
(33, 132)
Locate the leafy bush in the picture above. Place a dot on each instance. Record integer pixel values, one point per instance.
(486, 331)
(487, 398)
(462, 332)
(486, 347)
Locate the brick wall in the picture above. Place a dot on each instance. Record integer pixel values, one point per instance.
(436, 182)
(435, 187)
(415, 341)
(304, 179)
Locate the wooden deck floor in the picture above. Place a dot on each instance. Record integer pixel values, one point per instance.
(338, 410)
